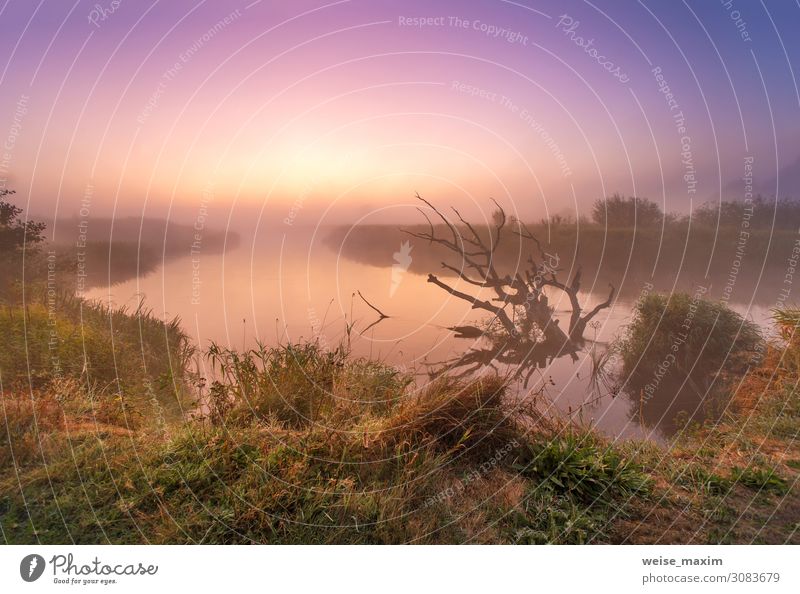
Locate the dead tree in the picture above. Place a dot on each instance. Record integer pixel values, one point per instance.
(520, 303)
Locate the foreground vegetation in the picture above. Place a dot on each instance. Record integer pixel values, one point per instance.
(736, 480)
(110, 437)
(297, 444)
(305, 446)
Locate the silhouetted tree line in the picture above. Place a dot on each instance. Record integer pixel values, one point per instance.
(18, 239)
(762, 213)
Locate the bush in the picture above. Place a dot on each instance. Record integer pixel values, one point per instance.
(680, 355)
(691, 334)
(626, 212)
(16, 237)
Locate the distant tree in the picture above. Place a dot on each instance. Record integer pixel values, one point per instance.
(16, 237)
(558, 220)
(16, 234)
(760, 213)
(618, 211)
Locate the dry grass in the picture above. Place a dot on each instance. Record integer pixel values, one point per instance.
(298, 444)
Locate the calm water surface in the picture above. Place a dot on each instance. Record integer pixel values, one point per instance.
(289, 286)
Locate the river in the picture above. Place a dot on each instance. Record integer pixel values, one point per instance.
(288, 286)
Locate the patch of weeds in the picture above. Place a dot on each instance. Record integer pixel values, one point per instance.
(697, 478)
(717, 510)
(584, 468)
(760, 479)
(705, 452)
(547, 518)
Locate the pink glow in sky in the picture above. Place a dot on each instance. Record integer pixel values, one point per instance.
(545, 106)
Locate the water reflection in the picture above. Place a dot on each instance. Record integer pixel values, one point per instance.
(292, 287)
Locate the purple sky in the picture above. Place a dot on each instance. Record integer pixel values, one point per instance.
(355, 105)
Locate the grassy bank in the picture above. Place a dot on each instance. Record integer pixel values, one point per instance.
(70, 368)
(339, 450)
(298, 444)
(736, 480)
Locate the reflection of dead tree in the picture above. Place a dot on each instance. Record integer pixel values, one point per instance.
(520, 303)
(525, 358)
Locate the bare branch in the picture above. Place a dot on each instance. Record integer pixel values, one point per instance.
(379, 312)
(600, 306)
(484, 282)
(522, 291)
(444, 220)
(477, 241)
(499, 312)
(526, 234)
(498, 227)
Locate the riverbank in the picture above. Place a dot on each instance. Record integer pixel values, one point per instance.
(303, 444)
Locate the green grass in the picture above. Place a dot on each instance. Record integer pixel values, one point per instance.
(698, 333)
(760, 479)
(302, 444)
(557, 519)
(311, 446)
(132, 354)
(585, 468)
(697, 477)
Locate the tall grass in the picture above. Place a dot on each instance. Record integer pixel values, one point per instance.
(681, 355)
(702, 335)
(310, 446)
(125, 353)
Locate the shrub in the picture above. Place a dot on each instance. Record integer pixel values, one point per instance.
(618, 211)
(698, 333)
(680, 354)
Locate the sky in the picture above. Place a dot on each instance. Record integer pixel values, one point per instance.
(308, 112)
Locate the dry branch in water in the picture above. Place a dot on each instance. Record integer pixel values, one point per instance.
(520, 304)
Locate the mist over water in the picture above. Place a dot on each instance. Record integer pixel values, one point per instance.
(294, 284)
